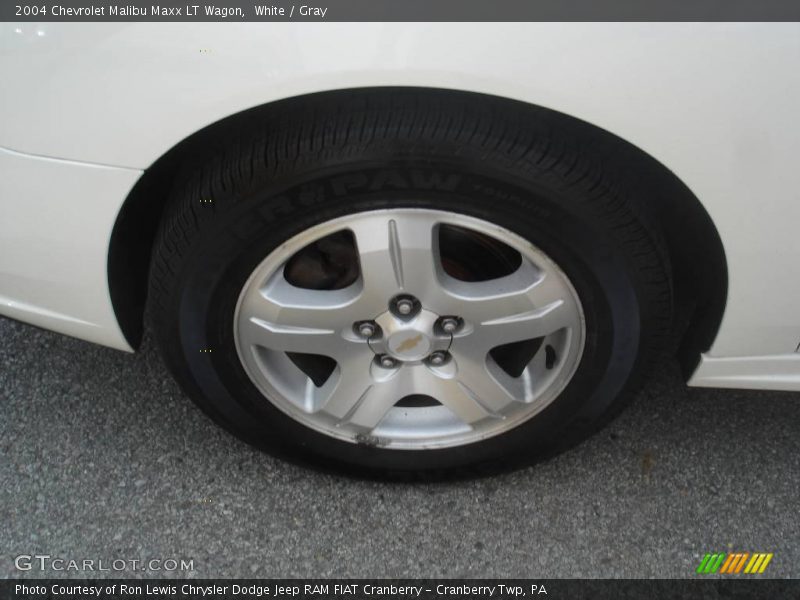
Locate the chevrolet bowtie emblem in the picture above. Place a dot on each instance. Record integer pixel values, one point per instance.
(409, 344)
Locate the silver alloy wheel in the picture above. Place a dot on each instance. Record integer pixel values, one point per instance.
(409, 354)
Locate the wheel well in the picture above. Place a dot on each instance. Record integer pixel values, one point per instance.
(695, 250)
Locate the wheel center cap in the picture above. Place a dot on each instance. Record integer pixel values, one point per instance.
(409, 344)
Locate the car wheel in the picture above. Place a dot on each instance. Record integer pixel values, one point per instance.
(392, 285)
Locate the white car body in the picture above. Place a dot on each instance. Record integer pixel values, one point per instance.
(87, 108)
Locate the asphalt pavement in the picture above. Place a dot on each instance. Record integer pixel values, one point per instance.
(103, 458)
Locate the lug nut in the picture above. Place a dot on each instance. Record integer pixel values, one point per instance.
(438, 358)
(449, 324)
(387, 362)
(366, 329)
(405, 306)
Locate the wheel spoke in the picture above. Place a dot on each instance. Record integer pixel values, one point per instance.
(280, 318)
(360, 403)
(532, 324)
(474, 376)
(524, 305)
(281, 302)
(285, 337)
(348, 383)
(463, 401)
(398, 253)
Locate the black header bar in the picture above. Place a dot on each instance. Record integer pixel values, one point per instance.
(398, 589)
(399, 10)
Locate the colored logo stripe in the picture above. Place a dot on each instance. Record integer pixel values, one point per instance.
(758, 563)
(710, 563)
(734, 563)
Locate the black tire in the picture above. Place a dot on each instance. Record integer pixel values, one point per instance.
(544, 176)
